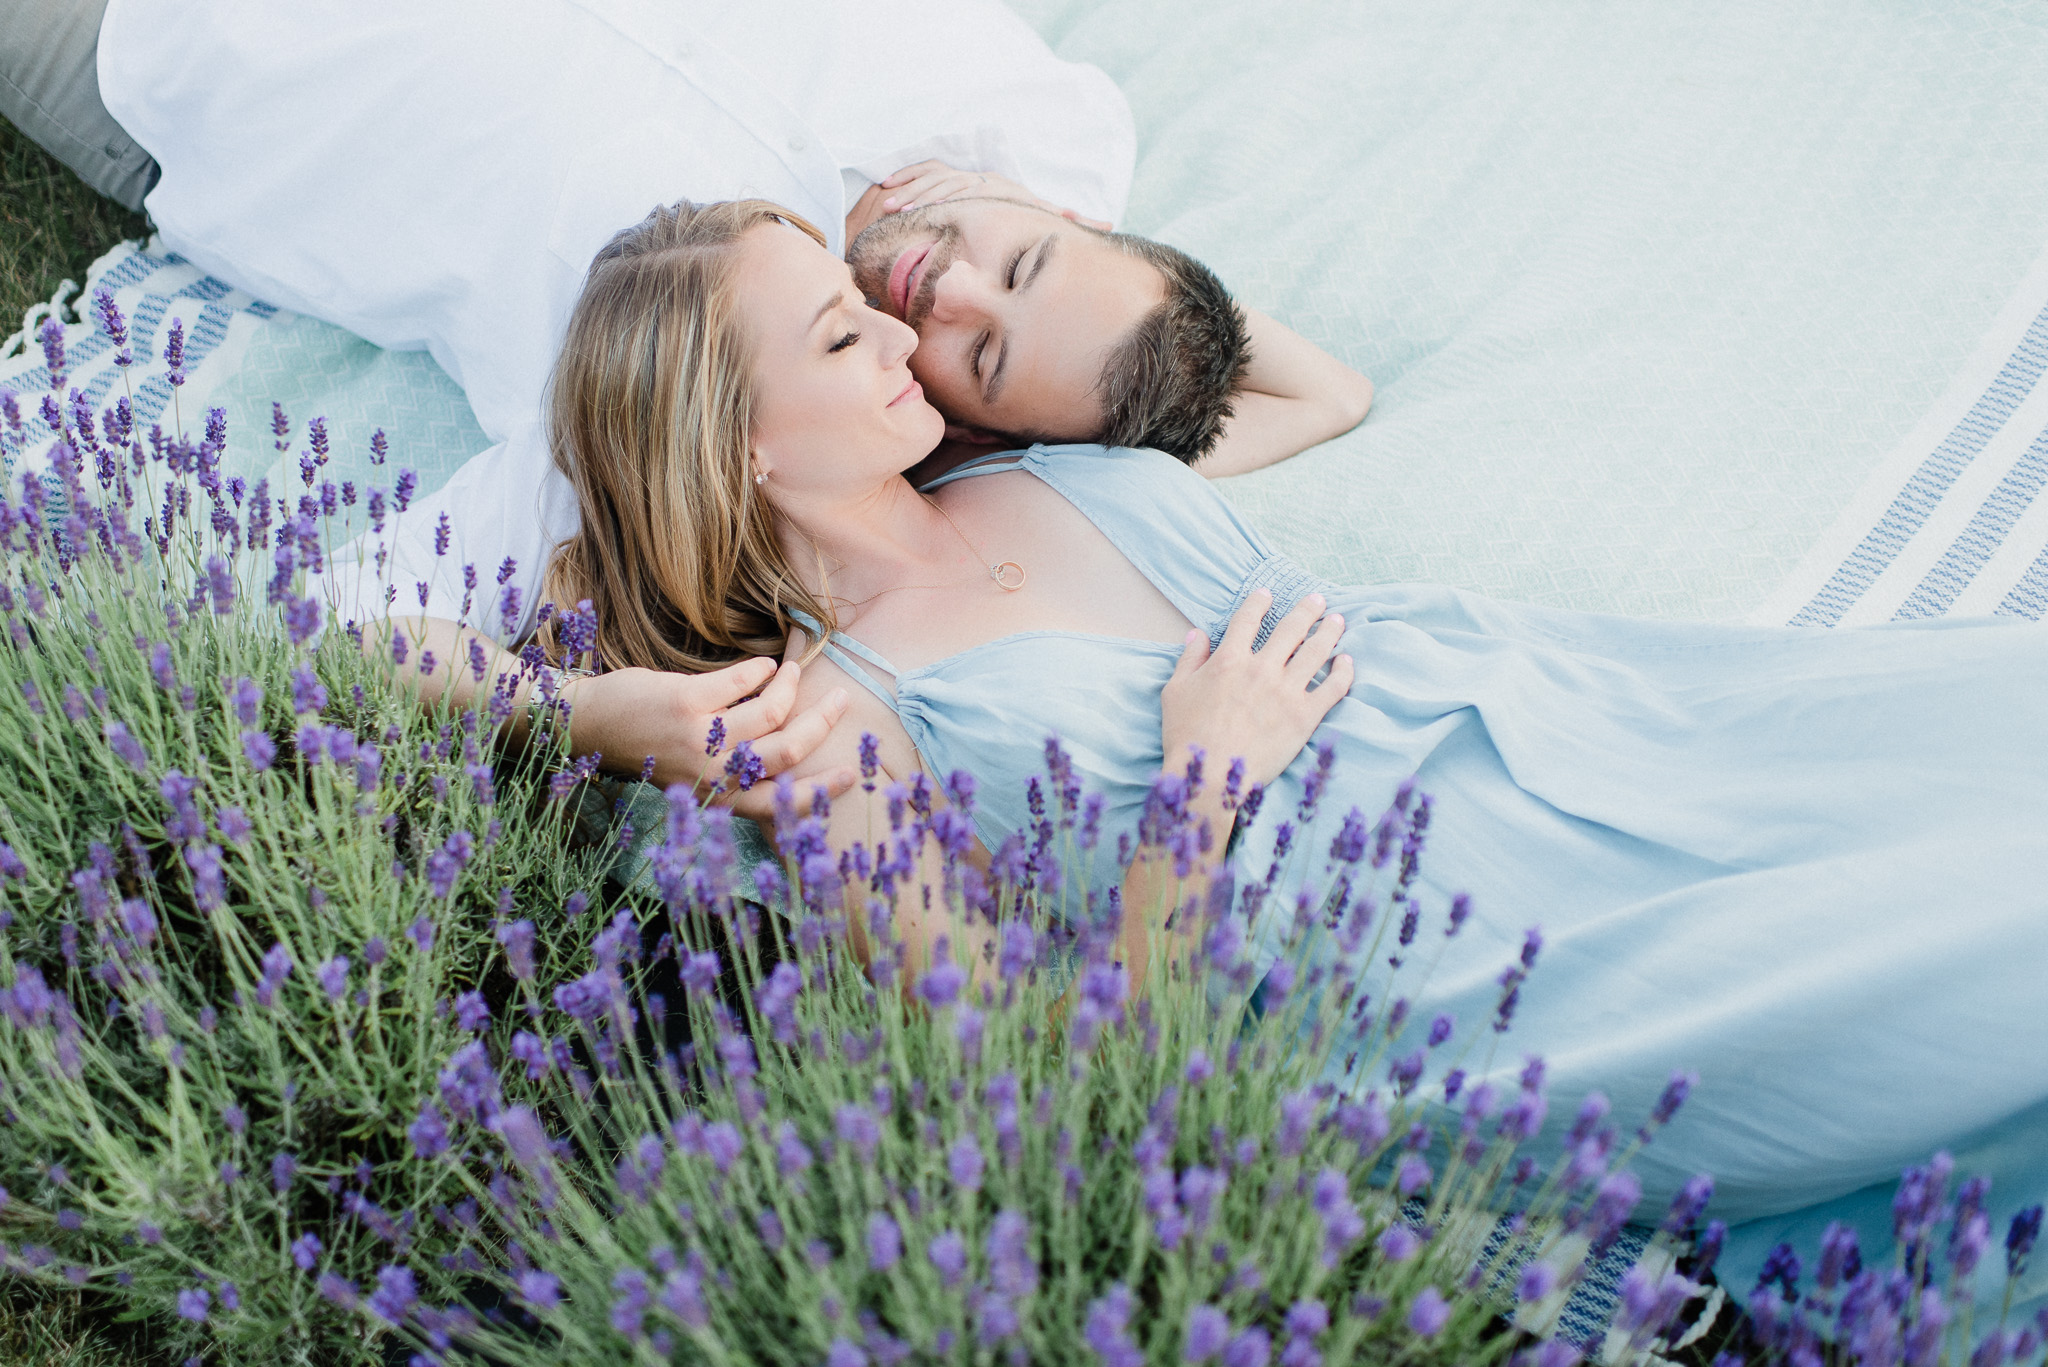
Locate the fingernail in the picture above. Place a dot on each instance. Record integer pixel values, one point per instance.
(889, 203)
(1317, 599)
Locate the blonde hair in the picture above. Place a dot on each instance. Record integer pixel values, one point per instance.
(650, 416)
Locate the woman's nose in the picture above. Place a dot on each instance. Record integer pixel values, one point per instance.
(898, 340)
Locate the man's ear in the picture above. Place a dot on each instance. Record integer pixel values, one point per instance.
(973, 436)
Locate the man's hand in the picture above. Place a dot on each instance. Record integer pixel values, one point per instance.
(934, 182)
(630, 714)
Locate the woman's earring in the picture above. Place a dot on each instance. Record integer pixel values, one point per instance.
(760, 477)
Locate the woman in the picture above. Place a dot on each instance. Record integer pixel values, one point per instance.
(1808, 865)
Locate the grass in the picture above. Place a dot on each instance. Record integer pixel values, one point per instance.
(52, 225)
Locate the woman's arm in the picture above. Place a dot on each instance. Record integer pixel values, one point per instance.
(628, 715)
(1295, 395)
(1236, 703)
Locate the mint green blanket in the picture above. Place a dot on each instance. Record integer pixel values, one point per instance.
(1647, 289)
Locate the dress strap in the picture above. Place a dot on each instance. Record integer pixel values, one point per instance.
(995, 462)
(849, 655)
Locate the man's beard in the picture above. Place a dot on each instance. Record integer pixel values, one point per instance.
(872, 254)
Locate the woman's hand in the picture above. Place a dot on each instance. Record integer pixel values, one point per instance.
(934, 182)
(1255, 705)
(631, 714)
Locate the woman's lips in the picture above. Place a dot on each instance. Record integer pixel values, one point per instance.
(913, 388)
(900, 273)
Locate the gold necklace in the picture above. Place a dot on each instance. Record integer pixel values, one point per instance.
(1008, 574)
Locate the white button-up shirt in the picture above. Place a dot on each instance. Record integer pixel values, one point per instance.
(438, 174)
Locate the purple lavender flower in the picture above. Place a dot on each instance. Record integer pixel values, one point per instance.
(51, 335)
(1106, 1329)
(1428, 1313)
(337, 1290)
(722, 1144)
(302, 617)
(964, 1163)
(856, 1125)
(192, 1304)
(306, 1251)
(472, 1013)
(1010, 1267)
(445, 865)
(308, 693)
(174, 352)
(1841, 1257)
(283, 1168)
(885, 1242)
(1612, 1204)
(428, 1132)
(1208, 1329)
(259, 749)
(540, 1291)
(776, 1000)
(276, 967)
(1342, 1225)
(1967, 1247)
(233, 825)
(1689, 1204)
(333, 977)
(1536, 1282)
(939, 986)
(1675, 1093)
(1398, 1243)
(2020, 1237)
(1251, 1347)
(125, 746)
(112, 325)
(948, 1253)
(395, 1296)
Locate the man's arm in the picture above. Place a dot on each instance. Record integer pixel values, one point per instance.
(1295, 395)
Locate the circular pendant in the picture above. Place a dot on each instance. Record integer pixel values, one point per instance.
(1009, 575)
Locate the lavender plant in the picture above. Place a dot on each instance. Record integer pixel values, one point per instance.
(244, 883)
(325, 1032)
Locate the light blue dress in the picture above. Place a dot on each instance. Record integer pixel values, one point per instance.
(1811, 865)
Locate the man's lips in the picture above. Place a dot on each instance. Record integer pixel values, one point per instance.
(909, 390)
(900, 282)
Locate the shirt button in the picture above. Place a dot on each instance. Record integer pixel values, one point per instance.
(797, 144)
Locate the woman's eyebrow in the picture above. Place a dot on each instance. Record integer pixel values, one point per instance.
(834, 302)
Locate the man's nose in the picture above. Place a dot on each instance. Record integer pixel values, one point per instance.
(961, 293)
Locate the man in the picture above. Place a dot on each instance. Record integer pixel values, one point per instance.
(439, 176)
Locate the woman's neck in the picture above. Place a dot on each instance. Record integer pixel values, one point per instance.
(853, 548)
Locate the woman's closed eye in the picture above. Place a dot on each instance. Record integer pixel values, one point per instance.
(844, 342)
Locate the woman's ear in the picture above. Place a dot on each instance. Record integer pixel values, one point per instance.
(973, 436)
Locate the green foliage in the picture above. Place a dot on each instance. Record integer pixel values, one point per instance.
(52, 225)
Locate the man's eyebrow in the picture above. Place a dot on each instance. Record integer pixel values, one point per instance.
(995, 377)
(1044, 250)
(834, 302)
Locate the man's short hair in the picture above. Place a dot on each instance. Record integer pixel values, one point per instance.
(1171, 382)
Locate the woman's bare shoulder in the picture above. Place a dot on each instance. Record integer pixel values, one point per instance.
(866, 714)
